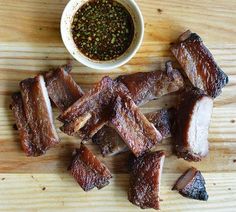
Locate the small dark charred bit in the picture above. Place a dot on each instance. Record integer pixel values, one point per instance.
(62, 89)
(110, 143)
(33, 114)
(192, 185)
(144, 87)
(159, 10)
(192, 125)
(199, 64)
(14, 127)
(87, 170)
(145, 180)
(133, 127)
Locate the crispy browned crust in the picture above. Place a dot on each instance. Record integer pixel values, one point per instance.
(61, 87)
(145, 180)
(146, 86)
(133, 127)
(163, 121)
(199, 64)
(195, 187)
(87, 170)
(32, 111)
(25, 133)
(183, 116)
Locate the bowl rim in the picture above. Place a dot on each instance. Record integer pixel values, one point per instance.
(104, 65)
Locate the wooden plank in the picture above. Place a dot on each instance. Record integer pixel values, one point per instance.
(38, 20)
(52, 192)
(30, 43)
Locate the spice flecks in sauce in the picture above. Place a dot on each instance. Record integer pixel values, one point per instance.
(102, 29)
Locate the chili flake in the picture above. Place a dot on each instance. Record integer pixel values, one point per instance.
(102, 29)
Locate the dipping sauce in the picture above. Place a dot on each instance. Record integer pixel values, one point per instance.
(102, 29)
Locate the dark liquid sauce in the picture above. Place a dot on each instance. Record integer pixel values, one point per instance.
(102, 29)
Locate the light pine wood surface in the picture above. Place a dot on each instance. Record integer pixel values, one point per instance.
(30, 43)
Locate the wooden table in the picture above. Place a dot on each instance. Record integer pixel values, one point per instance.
(30, 43)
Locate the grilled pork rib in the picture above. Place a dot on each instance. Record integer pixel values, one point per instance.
(110, 143)
(199, 64)
(34, 119)
(192, 125)
(144, 87)
(133, 127)
(145, 180)
(88, 171)
(92, 108)
(61, 87)
(192, 185)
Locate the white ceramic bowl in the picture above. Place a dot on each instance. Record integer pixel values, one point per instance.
(67, 19)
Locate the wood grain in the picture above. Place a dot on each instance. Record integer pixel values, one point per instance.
(59, 192)
(30, 43)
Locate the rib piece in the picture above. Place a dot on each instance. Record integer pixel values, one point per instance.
(192, 185)
(88, 171)
(193, 120)
(133, 127)
(148, 86)
(26, 134)
(145, 180)
(92, 111)
(110, 143)
(33, 114)
(62, 89)
(199, 64)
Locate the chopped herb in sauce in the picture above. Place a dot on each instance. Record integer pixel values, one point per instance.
(102, 29)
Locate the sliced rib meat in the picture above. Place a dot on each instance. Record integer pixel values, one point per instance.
(145, 180)
(61, 87)
(192, 185)
(88, 171)
(193, 120)
(199, 64)
(133, 127)
(147, 86)
(34, 119)
(110, 143)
